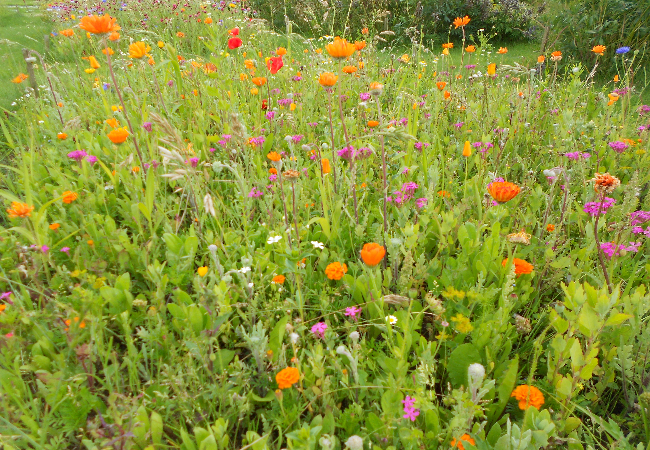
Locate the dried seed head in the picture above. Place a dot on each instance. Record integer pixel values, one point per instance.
(522, 324)
(605, 183)
(291, 175)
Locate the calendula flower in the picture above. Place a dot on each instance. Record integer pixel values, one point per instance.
(599, 49)
(340, 48)
(21, 210)
(502, 50)
(278, 279)
(470, 49)
(376, 88)
(61, 136)
(336, 270)
(556, 56)
(114, 36)
(503, 191)
(259, 81)
(349, 69)
(522, 267)
(274, 156)
(99, 24)
(327, 79)
(605, 183)
(138, 50)
(528, 396)
(20, 78)
(448, 45)
(441, 85)
(118, 135)
(459, 443)
(325, 164)
(69, 197)
(208, 20)
(461, 21)
(492, 69)
(372, 253)
(287, 377)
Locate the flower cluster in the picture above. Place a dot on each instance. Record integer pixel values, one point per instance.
(618, 146)
(611, 249)
(348, 153)
(599, 208)
(410, 412)
(576, 156)
(404, 194)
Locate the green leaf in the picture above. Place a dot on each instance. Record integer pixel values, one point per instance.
(276, 336)
(176, 311)
(156, 428)
(617, 319)
(223, 357)
(506, 385)
(208, 443)
(459, 361)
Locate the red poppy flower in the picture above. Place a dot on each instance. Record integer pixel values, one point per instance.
(234, 31)
(234, 43)
(275, 64)
(265, 104)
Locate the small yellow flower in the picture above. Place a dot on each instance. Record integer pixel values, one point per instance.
(202, 271)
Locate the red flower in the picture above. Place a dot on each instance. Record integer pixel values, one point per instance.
(265, 104)
(234, 31)
(275, 64)
(234, 43)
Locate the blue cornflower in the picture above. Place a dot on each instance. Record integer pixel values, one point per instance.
(622, 50)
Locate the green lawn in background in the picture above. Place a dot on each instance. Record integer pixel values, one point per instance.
(22, 25)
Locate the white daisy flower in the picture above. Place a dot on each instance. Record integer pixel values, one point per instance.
(391, 319)
(317, 244)
(273, 239)
(245, 269)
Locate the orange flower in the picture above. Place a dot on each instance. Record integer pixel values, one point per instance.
(467, 149)
(110, 51)
(336, 270)
(99, 24)
(274, 156)
(444, 194)
(61, 136)
(278, 279)
(502, 50)
(135, 169)
(114, 36)
(448, 45)
(273, 171)
(550, 227)
(372, 253)
(528, 396)
(613, 98)
(360, 45)
(93, 62)
(447, 94)
(281, 51)
(373, 123)
(249, 64)
(259, 81)
(68, 322)
(349, 69)
(325, 163)
(69, 197)
(541, 59)
(445, 51)
(605, 183)
(20, 78)
(118, 135)
(180, 34)
(521, 266)
(441, 85)
(112, 122)
(556, 56)
(503, 191)
(492, 69)
(458, 443)
(20, 210)
(138, 50)
(55, 226)
(327, 79)
(616, 78)
(461, 21)
(364, 31)
(340, 48)
(287, 377)
(470, 49)
(599, 49)
(208, 20)
(67, 33)
(376, 88)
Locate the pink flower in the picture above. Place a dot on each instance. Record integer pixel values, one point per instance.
(411, 413)
(352, 312)
(318, 330)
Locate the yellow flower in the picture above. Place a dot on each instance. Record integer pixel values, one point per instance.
(138, 50)
(462, 323)
(202, 271)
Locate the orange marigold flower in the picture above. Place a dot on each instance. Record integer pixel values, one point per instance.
(273, 171)
(55, 226)
(444, 193)
(605, 183)
(208, 20)
(278, 279)
(20, 78)
(327, 79)
(521, 266)
(287, 377)
(448, 45)
(599, 49)
(470, 49)
(502, 50)
(138, 50)
(336, 270)
(364, 31)
(20, 210)
(281, 51)
(550, 227)
(447, 94)
(67, 33)
(556, 56)
(360, 45)
(259, 81)
(528, 396)
(373, 123)
(69, 197)
(376, 88)
(61, 136)
(541, 59)
(349, 69)
(503, 191)
(114, 36)
(441, 85)
(461, 21)
(458, 443)
(274, 156)
(372, 253)
(99, 24)
(180, 34)
(325, 163)
(118, 135)
(113, 122)
(492, 69)
(340, 48)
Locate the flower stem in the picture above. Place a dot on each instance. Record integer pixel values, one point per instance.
(329, 105)
(598, 249)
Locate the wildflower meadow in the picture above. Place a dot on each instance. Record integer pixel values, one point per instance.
(215, 235)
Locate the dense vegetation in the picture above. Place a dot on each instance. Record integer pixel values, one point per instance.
(217, 236)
